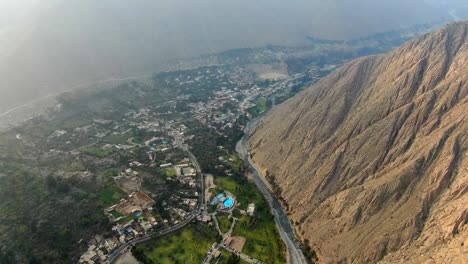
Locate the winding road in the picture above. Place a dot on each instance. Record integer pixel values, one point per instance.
(124, 248)
(286, 230)
(294, 253)
(199, 210)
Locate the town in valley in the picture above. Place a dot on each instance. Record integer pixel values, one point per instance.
(153, 162)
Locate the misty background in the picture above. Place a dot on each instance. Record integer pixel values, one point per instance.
(51, 45)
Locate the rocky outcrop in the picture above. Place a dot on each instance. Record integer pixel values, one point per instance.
(372, 160)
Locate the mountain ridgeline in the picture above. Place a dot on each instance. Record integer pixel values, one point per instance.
(371, 162)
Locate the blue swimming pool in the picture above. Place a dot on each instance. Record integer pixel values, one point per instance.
(229, 202)
(138, 213)
(219, 196)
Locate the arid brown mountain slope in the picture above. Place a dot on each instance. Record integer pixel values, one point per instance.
(372, 160)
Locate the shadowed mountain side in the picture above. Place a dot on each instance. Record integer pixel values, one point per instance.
(372, 160)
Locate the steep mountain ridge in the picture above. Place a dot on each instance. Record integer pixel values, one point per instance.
(372, 159)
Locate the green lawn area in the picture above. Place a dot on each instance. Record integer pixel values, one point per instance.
(170, 172)
(263, 240)
(110, 172)
(188, 245)
(261, 106)
(115, 139)
(227, 184)
(74, 122)
(125, 219)
(116, 214)
(245, 192)
(226, 258)
(110, 195)
(237, 163)
(224, 223)
(98, 152)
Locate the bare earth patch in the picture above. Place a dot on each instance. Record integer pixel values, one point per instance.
(270, 72)
(237, 243)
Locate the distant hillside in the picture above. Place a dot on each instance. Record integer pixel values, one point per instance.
(371, 161)
(68, 43)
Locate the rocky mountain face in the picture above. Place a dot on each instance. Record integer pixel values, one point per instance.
(372, 161)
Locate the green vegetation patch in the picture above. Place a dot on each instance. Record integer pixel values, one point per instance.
(228, 258)
(237, 163)
(227, 184)
(188, 245)
(51, 234)
(261, 106)
(211, 208)
(74, 122)
(110, 195)
(126, 219)
(98, 152)
(170, 172)
(116, 214)
(109, 173)
(115, 139)
(263, 240)
(245, 191)
(224, 223)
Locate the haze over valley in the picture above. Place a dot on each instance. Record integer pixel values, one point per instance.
(52, 45)
(233, 132)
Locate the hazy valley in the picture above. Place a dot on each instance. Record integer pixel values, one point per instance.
(59, 45)
(233, 132)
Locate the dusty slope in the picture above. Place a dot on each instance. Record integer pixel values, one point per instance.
(373, 159)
